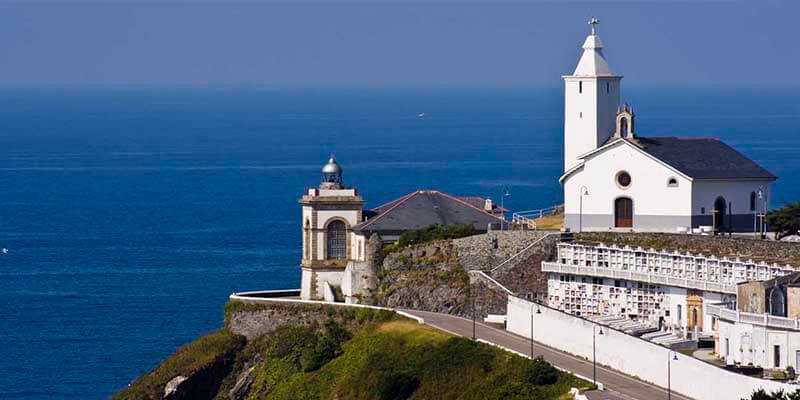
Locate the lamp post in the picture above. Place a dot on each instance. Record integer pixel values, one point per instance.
(472, 297)
(762, 196)
(503, 196)
(538, 311)
(671, 355)
(594, 351)
(584, 192)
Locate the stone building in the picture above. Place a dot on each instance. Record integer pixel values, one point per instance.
(615, 178)
(342, 241)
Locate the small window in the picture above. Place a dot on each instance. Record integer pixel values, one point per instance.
(623, 179)
(672, 182)
(580, 86)
(580, 115)
(752, 201)
(608, 87)
(702, 210)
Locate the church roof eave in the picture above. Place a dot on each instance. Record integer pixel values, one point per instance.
(635, 147)
(569, 172)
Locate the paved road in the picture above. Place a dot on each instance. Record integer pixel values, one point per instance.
(618, 386)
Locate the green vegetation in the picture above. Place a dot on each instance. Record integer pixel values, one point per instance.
(429, 234)
(397, 360)
(761, 394)
(785, 221)
(186, 360)
(350, 353)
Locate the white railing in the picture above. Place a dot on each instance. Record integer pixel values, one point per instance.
(655, 279)
(527, 217)
(752, 318)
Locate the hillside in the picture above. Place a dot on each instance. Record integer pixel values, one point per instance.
(347, 354)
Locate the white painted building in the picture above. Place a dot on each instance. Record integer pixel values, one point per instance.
(615, 179)
(667, 288)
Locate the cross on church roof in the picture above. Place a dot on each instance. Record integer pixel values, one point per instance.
(593, 22)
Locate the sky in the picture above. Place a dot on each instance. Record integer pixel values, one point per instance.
(393, 43)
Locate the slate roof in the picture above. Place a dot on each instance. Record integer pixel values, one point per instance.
(480, 202)
(424, 208)
(702, 158)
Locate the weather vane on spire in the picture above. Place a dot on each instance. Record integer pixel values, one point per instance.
(593, 22)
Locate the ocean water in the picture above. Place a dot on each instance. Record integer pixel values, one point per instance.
(130, 213)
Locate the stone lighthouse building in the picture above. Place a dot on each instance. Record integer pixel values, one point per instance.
(329, 213)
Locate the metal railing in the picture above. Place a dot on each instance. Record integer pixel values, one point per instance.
(527, 217)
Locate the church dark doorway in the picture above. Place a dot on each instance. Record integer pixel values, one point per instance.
(623, 212)
(719, 214)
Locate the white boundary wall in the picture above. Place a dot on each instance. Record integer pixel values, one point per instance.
(631, 355)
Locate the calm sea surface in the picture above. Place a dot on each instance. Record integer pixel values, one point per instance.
(130, 214)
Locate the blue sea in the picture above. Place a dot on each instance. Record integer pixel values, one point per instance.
(131, 213)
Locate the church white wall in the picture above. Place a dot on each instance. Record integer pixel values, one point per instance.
(656, 207)
(736, 193)
(589, 115)
(631, 355)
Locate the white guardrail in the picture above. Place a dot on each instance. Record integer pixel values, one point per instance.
(751, 318)
(291, 296)
(654, 279)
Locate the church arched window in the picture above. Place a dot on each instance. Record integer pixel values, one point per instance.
(752, 201)
(337, 240)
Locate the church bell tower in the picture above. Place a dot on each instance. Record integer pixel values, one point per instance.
(591, 100)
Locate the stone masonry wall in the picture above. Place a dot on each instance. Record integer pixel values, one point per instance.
(483, 252)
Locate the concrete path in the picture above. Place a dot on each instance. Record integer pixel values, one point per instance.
(618, 386)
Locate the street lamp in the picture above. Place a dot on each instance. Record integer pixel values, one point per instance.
(472, 297)
(762, 196)
(584, 192)
(594, 351)
(538, 311)
(671, 355)
(503, 196)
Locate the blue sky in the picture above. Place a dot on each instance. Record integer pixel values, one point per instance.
(394, 43)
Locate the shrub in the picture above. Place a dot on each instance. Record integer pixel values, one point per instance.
(431, 233)
(541, 372)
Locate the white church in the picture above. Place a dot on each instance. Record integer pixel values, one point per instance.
(616, 179)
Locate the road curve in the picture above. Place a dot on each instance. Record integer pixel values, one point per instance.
(618, 385)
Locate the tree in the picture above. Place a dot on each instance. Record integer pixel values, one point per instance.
(785, 221)
(761, 394)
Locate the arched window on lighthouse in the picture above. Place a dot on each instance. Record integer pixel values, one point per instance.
(337, 241)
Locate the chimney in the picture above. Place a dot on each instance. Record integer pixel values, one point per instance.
(487, 205)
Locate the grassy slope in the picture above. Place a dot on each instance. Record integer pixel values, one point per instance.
(186, 360)
(402, 359)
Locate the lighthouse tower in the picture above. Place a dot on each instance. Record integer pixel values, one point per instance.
(591, 99)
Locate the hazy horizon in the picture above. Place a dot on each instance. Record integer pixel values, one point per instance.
(438, 43)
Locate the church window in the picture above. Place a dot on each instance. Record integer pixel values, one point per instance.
(580, 86)
(752, 201)
(580, 114)
(608, 87)
(623, 179)
(672, 182)
(337, 241)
